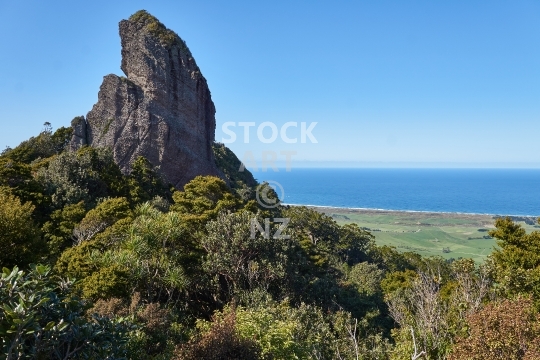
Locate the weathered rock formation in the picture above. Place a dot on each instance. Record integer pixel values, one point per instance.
(161, 110)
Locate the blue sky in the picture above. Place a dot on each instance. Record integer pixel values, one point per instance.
(389, 83)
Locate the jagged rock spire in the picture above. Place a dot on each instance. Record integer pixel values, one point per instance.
(161, 110)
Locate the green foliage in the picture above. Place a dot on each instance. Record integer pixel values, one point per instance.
(108, 281)
(155, 27)
(357, 339)
(44, 145)
(61, 138)
(422, 309)
(40, 320)
(324, 241)
(145, 183)
(354, 244)
(86, 175)
(58, 231)
(367, 278)
(20, 240)
(267, 196)
(431, 309)
(219, 341)
(78, 262)
(322, 291)
(103, 167)
(14, 174)
(237, 258)
(202, 199)
(150, 253)
(98, 219)
(278, 331)
(516, 264)
(393, 260)
(281, 331)
(230, 165)
(398, 280)
(18, 177)
(156, 332)
(317, 234)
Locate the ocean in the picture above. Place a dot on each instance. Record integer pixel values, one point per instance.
(478, 191)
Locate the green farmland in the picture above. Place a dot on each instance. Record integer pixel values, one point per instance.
(445, 234)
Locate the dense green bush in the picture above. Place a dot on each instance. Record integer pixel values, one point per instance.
(515, 265)
(20, 240)
(45, 145)
(166, 273)
(239, 178)
(238, 258)
(40, 319)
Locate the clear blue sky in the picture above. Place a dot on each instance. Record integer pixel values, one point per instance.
(390, 83)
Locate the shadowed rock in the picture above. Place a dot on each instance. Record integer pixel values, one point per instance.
(161, 110)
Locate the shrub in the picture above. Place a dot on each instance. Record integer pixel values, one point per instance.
(220, 342)
(40, 320)
(20, 240)
(507, 329)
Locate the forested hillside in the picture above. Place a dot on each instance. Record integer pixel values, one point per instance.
(102, 265)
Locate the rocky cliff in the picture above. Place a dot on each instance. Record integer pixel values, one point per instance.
(161, 110)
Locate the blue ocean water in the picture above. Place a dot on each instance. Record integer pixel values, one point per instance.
(480, 191)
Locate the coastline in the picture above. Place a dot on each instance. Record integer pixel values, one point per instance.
(425, 212)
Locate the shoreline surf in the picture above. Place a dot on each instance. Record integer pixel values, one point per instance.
(361, 209)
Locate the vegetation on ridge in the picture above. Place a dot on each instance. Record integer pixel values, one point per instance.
(156, 28)
(128, 267)
(230, 165)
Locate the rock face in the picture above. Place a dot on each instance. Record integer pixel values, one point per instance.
(161, 110)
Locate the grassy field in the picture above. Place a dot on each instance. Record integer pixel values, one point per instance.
(446, 234)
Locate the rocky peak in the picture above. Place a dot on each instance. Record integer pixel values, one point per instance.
(161, 110)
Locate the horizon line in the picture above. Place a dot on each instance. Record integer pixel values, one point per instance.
(348, 165)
